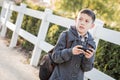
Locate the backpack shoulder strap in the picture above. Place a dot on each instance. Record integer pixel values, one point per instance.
(68, 44)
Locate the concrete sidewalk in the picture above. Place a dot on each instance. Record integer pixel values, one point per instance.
(12, 66)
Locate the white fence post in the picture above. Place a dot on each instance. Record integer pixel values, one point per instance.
(99, 24)
(7, 16)
(3, 11)
(41, 37)
(18, 26)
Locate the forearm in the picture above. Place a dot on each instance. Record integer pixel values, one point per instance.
(87, 64)
(61, 56)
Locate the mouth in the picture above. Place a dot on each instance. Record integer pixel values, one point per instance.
(81, 27)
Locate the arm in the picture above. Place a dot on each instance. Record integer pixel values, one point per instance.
(87, 63)
(61, 53)
(88, 60)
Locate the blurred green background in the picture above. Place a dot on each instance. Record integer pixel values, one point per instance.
(107, 54)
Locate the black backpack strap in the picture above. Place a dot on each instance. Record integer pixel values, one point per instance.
(68, 44)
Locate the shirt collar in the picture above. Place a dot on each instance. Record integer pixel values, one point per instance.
(84, 37)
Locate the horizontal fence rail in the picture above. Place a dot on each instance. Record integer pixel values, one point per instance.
(39, 41)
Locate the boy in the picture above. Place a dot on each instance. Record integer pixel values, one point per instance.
(79, 57)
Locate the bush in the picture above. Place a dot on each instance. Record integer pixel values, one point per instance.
(0, 9)
(53, 33)
(107, 59)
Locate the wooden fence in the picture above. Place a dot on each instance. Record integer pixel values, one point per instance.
(39, 41)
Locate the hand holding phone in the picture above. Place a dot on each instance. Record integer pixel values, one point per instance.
(85, 48)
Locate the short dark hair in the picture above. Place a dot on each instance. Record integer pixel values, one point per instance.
(89, 13)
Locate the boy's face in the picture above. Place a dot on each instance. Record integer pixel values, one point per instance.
(83, 23)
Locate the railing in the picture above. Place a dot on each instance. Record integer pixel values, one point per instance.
(39, 42)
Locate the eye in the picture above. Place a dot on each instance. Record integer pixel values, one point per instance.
(87, 21)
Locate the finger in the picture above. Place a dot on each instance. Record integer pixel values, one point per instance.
(86, 54)
(89, 52)
(79, 47)
(92, 50)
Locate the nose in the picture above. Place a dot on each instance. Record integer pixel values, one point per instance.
(82, 22)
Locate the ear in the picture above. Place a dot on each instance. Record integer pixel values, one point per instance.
(92, 25)
(75, 19)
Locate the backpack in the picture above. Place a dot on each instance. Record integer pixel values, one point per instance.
(47, 64)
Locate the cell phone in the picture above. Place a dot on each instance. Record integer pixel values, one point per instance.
(85, 48)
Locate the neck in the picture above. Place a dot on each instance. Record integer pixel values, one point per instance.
(82, 34)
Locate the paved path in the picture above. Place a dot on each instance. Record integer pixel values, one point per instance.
(12, 65)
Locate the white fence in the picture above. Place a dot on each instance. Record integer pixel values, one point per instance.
(39, 42)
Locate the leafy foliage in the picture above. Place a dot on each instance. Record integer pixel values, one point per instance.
(53, 33)
(0, 9)
(107, 10)
(107, 59)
